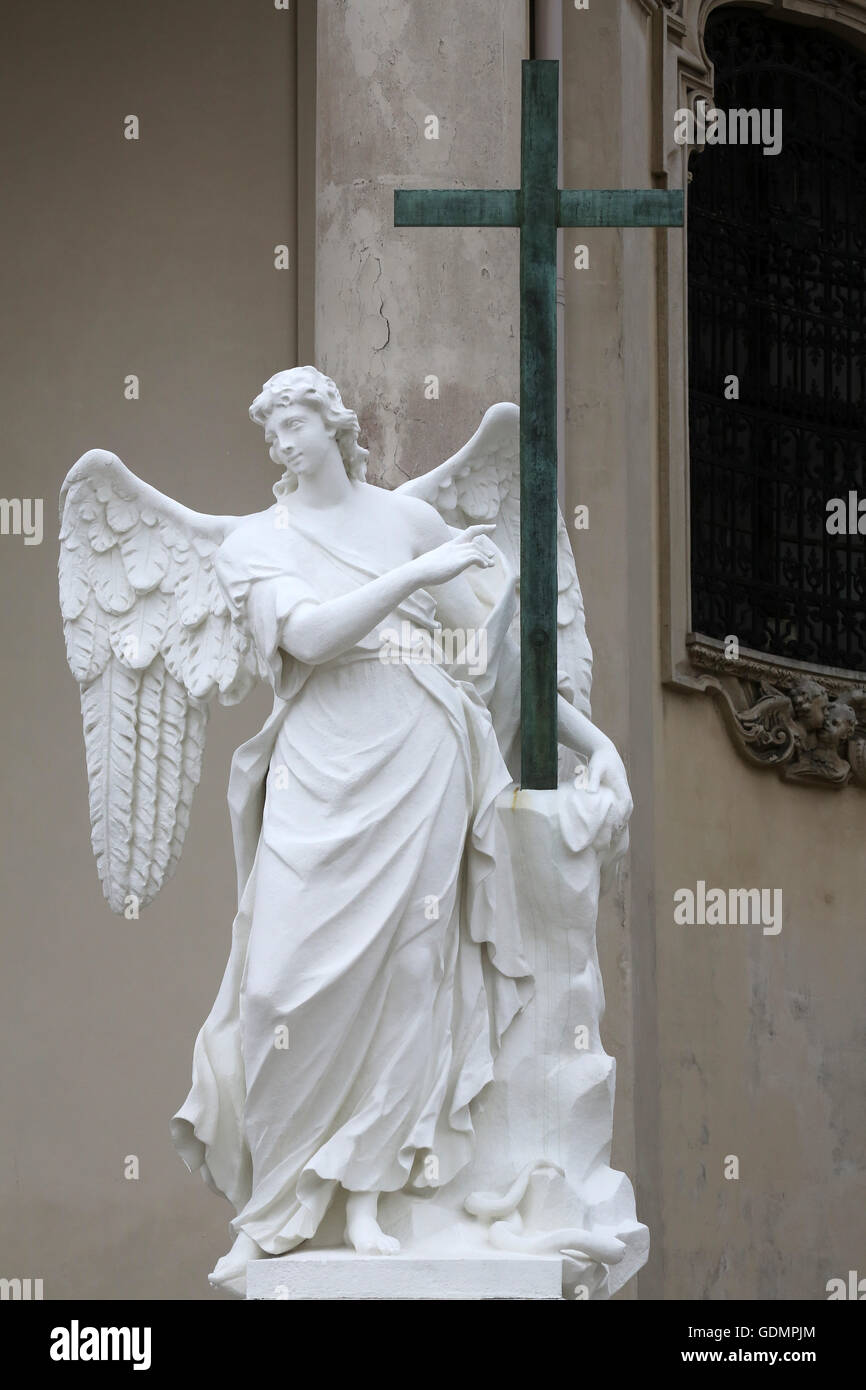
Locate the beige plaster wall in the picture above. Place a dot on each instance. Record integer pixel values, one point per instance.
(762, 1039)
(156, 258)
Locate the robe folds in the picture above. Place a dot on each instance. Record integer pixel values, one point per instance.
(375, 962)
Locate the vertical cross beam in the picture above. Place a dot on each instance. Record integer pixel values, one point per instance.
(538, 207)
(538, 471)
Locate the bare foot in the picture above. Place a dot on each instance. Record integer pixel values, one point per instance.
(230, 1272)
(363, 1230)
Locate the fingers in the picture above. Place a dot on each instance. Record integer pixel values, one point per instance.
(473, 547)
(481, 545)
(475, 553)
(474, 532)
(480, 557)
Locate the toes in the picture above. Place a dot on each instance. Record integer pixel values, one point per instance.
(378, 1245)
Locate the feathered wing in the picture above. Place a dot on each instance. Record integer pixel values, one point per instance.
(150, 641)
(481, 482)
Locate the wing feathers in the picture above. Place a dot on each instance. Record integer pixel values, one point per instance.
(150, 640)
(145, 786)
(87, 644)
(191, 750)
(144, 741)
(110, 751)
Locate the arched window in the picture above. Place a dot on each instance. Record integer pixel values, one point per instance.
(777, 300)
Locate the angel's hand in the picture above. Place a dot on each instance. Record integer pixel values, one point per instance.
(606, 770)
(446, 561)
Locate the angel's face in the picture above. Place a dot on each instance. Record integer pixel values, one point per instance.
(839, 723)
(298, 438)
(809, 701)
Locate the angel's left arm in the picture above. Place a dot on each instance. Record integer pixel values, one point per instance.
(459, 608)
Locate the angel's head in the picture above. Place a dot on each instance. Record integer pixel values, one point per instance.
(810, 701)
(840, 721)
(287, 409)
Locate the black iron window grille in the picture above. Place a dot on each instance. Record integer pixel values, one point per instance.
(777, 293)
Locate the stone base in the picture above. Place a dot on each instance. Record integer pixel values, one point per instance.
(338, 1274)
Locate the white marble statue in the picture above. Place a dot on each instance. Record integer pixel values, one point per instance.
(379, 955)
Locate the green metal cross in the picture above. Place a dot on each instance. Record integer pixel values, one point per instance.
(538, 207)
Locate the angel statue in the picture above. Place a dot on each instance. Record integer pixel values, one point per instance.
(371, 979)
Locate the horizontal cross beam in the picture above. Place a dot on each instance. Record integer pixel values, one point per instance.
(620, 207)
(502, 207)
(457, 207)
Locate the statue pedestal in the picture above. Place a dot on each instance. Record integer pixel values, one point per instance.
(340, 1274)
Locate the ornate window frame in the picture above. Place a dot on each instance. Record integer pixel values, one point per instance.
(753, 689)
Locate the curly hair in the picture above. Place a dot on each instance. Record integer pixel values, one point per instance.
(308, 386)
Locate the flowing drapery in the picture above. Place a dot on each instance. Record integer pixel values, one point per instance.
(371, 977)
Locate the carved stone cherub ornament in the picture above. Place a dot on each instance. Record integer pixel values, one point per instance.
(375, 966)
(818, 759)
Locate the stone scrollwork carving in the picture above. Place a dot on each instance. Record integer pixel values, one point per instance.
(810, 726)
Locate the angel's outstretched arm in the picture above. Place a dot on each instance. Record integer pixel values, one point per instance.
(317, 632)
(605, 765)
(579, 734)
(459, 607)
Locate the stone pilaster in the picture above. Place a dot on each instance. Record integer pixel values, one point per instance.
(396, 307)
